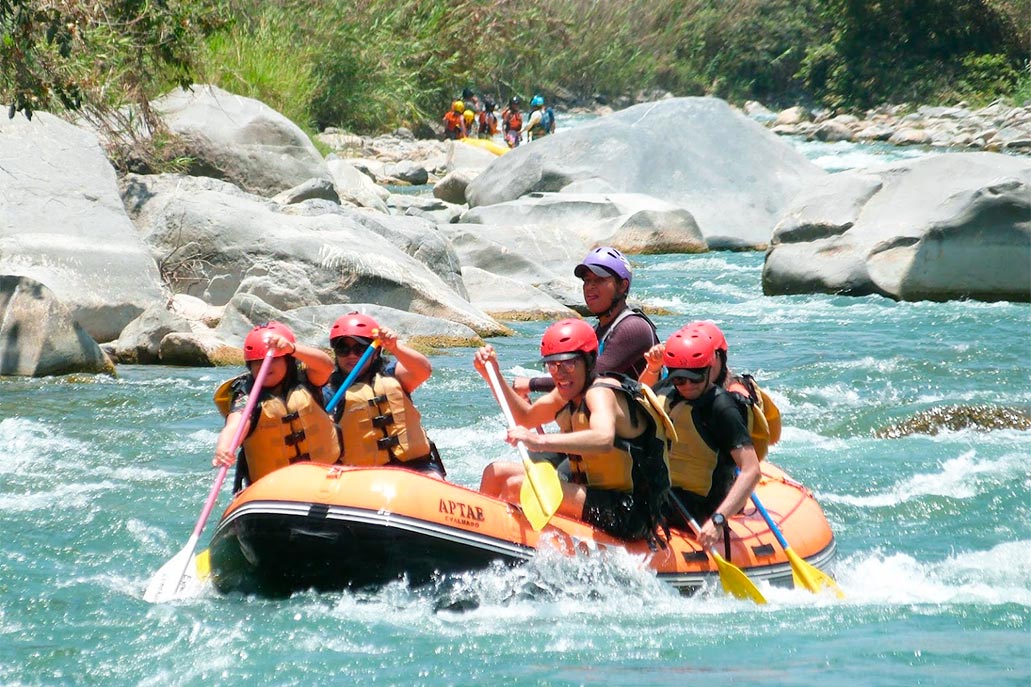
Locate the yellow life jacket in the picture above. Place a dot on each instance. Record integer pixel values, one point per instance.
(763, 415)
(692, 462)
(613, 469)
(289, 432)
(380, 423)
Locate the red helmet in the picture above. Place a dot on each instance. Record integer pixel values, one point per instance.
(688, 348)
(354, 324)
(255, 346)
(709, 328)
(567, 339)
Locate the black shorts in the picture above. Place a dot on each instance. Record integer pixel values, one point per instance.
(614, 512)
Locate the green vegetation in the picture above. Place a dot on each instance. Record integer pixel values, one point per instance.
(370, 65)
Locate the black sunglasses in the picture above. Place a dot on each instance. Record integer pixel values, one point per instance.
(343, 349)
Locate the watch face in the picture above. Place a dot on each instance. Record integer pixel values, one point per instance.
(718, 519)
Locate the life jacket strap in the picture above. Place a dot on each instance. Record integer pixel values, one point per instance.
(381, 421)
(295, 438)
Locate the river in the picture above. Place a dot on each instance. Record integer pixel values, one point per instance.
(102, 480)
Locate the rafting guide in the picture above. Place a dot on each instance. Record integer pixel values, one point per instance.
(616, 447)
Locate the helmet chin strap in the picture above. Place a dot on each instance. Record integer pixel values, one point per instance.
(617, 303)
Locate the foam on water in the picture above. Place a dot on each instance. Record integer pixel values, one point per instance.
(998, 576)
(962, 477)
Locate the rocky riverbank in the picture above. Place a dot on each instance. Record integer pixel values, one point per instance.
(996, 127)
(176, 268)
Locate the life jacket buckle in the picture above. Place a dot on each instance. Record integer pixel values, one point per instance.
(376, 400)
(381, 421)
(291, 417)
(295, 438)
(387, 443)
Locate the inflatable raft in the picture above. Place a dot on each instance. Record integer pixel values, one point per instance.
(330, 528)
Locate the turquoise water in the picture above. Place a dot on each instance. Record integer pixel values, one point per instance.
(102, 480)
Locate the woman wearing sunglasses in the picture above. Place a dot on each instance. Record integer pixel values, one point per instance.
(288, 424)
(606, 430)
(379, 422)
(712, 433)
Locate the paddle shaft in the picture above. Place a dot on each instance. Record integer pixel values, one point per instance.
(252, 400)
(769, 521)
(539, 490)
(209, 505)
(352, 375)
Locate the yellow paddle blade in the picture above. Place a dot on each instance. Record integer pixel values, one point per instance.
(202, 565)
(541, 493)
(735, 581)
(811, 577)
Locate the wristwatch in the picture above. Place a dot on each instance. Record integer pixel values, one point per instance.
(719, 519)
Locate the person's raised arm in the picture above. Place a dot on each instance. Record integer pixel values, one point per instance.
(413, 368)
(653, 362)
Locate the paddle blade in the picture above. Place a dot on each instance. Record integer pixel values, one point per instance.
(167, 581)
(735, 581)
(202, 565)
(811, 577)
(541, 493)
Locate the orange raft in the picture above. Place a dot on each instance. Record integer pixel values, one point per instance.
(321, 527)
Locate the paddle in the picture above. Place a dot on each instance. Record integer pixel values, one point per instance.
(541, 493)
(732, 578)
(803, 573)
(166, 582)
(352, 375)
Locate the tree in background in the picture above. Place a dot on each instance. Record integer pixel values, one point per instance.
(103, 59)
(915, 50)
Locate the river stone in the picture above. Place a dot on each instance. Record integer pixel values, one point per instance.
(357, 187)
(451, 189)
(311, 324)
(631, 222)
(937, 228)
(62, 223)
(730, 173)
(509, 299)
(312, 255)
(240, 140)
(140, 341)
(313, 189)
(38, 334)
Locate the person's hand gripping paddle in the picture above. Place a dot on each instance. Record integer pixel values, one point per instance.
(541, 493)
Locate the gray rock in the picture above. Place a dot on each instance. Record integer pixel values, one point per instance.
(39, 336)
(322, 189)
(731, 174)
(140, 341)
(631, 222)
(62, 224)
(408, 172)
(937, 228)
(451, 188)
(317, 255)
(909, 136)
(509, 299)
(832, 131)
(241, 140)
(357, 187)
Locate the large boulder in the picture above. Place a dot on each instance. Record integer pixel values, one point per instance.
(938, 228)
(39, 336)
(62, 223)
(241, 140)
(219, 241)
(732, 175)
(631, 222)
